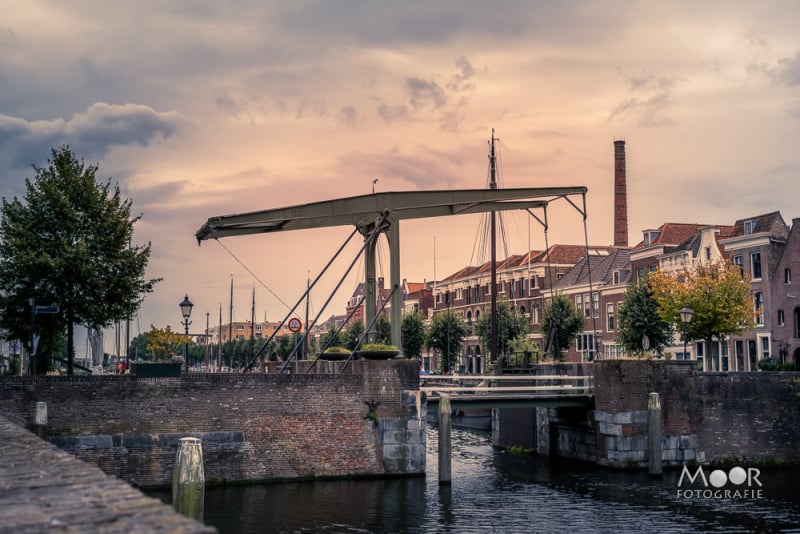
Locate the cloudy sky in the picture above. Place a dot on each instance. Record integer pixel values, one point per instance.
(200, 108)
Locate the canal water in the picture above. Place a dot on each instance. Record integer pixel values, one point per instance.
(497, 491)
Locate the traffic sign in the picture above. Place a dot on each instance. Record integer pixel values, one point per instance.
(53, 308)
(294, 325)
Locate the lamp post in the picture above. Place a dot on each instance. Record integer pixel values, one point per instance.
(186, 311)
(686, 317)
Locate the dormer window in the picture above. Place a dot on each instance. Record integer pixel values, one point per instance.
(650, 236)
(749, 227)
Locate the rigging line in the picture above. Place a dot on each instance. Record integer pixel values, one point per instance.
(246, 268)
(374, 233)
(589, 272)
(307, 291)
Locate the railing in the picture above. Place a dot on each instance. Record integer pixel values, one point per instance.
(541, 385)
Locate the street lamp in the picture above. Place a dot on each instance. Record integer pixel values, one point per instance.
(686, 317)
(186, 311)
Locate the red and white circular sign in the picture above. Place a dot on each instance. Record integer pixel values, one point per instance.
(294, 324)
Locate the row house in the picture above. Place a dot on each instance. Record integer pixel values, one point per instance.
(597, 287)
(245, 330)
(524, 280)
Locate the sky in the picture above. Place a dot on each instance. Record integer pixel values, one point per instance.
(199, 108)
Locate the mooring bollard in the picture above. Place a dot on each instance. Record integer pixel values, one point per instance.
(444, 440)
(40, 419)
(654, 449)
(188, 479)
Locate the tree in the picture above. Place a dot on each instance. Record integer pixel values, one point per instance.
(561, 322)
(163, 343)
(68, 242)
(445, 336)
(331, 338)
(383, 329)
(412, 334)
(511, 324)
(638, 317)
(717, 292)
(352, 334)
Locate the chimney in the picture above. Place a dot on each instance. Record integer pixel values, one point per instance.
(620, 196)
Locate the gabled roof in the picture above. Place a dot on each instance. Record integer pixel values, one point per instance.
(673, 234)
(602, 269)
(415, 287)
(770, 223)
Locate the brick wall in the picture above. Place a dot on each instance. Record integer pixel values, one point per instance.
(253, 427)
(711, 417)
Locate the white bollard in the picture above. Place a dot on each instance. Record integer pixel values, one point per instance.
(188, 479)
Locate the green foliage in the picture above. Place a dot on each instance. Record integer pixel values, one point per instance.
(69, 242)
(383, 329)
(638, 317)
(377, 346)
(163, 344)
(511, 324)
(412, 334)
(445, 336)
(331, 338)
(352, 333)
(773, 364)
(561, 322)
(717, 293)
(338, 350)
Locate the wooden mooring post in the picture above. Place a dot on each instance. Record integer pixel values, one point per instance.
(654, 448)
(444, 441)
(40, 419)
(188, 479)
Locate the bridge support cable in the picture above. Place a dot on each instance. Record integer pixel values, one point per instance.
(366, 331)
(373, 234)
(595, 313)
(341, 327)
(309, 287)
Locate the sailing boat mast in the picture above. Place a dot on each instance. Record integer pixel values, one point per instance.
(493, 230)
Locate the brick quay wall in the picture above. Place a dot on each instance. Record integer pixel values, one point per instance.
(706, 417)
(368, 421)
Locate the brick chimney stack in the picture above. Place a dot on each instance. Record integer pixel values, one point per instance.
(620, 196)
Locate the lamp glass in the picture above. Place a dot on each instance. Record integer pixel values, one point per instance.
(186, 307)
(686, 314)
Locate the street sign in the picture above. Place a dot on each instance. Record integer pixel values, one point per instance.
(53, 308)
(294, 325)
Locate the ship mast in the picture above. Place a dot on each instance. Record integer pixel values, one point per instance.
(493, 230)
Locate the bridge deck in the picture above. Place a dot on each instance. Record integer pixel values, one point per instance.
(558, 391)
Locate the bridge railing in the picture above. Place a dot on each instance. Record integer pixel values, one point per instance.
(544, 385)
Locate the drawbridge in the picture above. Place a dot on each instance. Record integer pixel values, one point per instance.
(381, 213)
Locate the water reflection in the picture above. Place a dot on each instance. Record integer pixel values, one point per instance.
(497, 491)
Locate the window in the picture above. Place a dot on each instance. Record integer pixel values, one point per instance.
(787, 276)
(749, 227)
(755, 265)
(758, 307)
(534, 282)
(708, 253)
(640, 273)
(616, 277)
(585, 345)
(610, 317)
(522, 287)
(587, 305)
(653, 268)
(739, 261)
(596, 305)
(764, 346)
(258, 328)
(239, 327)
(781, 318)
(578, 303)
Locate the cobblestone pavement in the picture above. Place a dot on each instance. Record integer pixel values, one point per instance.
(44, 489)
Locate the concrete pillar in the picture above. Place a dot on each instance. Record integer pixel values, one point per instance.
(654, 451)
(40, 419)
(188, 479)
(444, 441)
